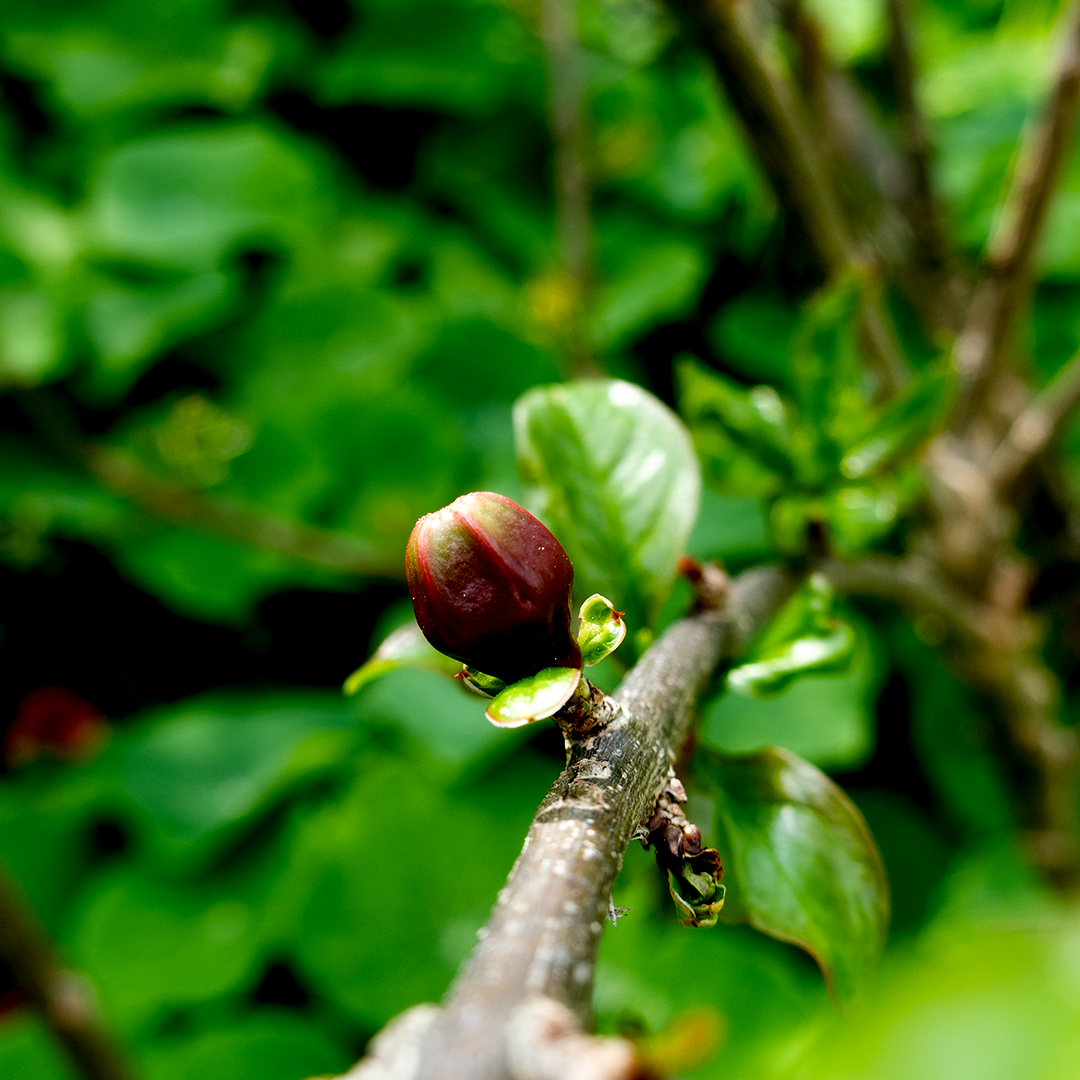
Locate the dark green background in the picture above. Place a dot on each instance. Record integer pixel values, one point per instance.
(302, 256)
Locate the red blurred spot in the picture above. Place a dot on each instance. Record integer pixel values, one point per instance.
(11, 999)
(54, 722)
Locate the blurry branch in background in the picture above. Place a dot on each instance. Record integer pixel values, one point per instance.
(979, 349)
(920, 204)
(63, 999)
(994, 647)
(521, 1005)
(566, 116)
(1034, 429)
(792, 160)
(167, 500)
(885, 200)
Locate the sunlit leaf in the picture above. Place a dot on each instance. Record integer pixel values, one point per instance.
(601, 629)
(404, 647)
(612, 472)
(534, 698)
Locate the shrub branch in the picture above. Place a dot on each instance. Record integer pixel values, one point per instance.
(520, 1006)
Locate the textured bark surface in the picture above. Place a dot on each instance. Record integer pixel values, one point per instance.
(540, 943)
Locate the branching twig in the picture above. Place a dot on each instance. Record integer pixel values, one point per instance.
(978, 350)
(1036, 426)
(791, 159)
(64, 1000)
(993, 647)
(536, 955)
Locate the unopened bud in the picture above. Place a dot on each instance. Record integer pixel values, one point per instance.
(490, 587)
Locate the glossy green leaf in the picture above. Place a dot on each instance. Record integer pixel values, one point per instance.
(805, 638)
(829, 719)
(535, 698)
(814, 654)
(612, 472)
(404, 647)
(601, 629)
(800, 863)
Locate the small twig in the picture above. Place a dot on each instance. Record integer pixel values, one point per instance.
(922, 208)
(170, 501)
(993, 647)
(978, 350)
(792, 160)
(773, 123)
(1036, 426)
(566, 112)
(64, 999)
(540, 943)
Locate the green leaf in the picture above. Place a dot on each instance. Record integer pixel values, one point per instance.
(829, 720)
(809, 611)
(801, 864)
(268, 1044)
(908, 420)
(814, 654)
(479, 683)
(186, 199)
(805, 638)
(694, 911)
(127, 324)
(535, 698)
(755, 418)
(753, 334)
(652, 283)
(149, 946)
(612, 472)
(404, 647)
(30, 1051)
(601, 629)
(825, 359)
(199, 770)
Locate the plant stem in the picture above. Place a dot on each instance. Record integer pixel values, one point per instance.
(792, 161)
(167, 500)
(1036, 426)
(63, 999)
(978, 350)
(922, 208)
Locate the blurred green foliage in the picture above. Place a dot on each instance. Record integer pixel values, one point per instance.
(341, 219)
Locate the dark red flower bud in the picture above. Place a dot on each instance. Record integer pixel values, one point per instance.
(490, 587)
